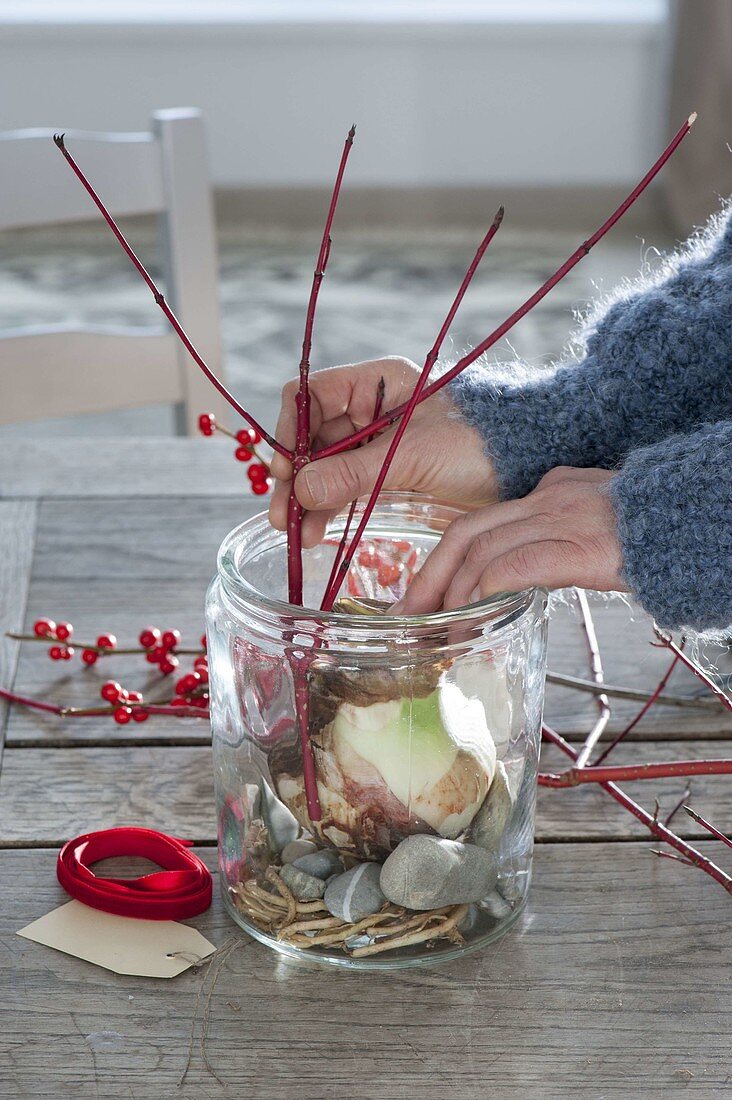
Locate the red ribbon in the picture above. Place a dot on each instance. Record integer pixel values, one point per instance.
(182, 890)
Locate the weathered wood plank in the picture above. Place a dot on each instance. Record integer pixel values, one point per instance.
(625, 637)
(17, 534)
(144, 467)
(611, 986)
(48, 795)
(127, 602)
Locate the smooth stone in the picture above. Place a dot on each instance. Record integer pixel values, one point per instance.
(426, 872)
(297, 848)
(322, 864)
(305, 887)
(356, 893)
(489, 824)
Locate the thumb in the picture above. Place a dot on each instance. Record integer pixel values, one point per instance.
(331, 483)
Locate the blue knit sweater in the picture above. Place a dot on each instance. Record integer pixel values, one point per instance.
(650, 396)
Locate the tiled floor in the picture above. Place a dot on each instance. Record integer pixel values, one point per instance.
(385, 292)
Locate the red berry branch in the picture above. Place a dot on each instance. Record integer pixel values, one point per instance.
(246, 440)
(160, 647)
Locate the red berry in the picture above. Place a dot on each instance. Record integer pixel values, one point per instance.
(149, 637)
(259, 488)
(243, 454)
(107, 641)
(245, 437)
(64, 631)
(168, 664)
(44, 628)
(56, 653)
(204, 643)
(188, 683)
(134, 696)
(257, 472)
(111, 691)
(139, 714)
(389, 574)
(256, 436)
(89, 657)
(170, 639)
(176, 701)
(67, 653)
(122, 715)
(207, 423)
(201, 664)
(203, 675)
(155, 655)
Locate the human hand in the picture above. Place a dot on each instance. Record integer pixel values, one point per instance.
(438, 454)
(563, 533)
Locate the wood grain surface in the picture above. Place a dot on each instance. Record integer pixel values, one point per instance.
(613, 985)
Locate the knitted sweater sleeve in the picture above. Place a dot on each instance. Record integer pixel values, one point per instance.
(673, 503)
(657, 360)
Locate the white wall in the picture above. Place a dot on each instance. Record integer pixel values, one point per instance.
(436, 103)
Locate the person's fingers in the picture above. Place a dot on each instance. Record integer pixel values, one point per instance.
(490, 544)
(427, 590)
(332, 431)
(313, 527)
(552, 563)
(278, 504)
(331, 483)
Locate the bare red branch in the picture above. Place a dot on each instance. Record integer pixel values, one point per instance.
(390, 417)
(160, 301)
(660, 831)
(302, 400)
(430, 361)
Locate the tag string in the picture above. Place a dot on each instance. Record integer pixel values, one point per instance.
(181, 890)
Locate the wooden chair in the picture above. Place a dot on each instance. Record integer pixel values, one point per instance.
(50, 371)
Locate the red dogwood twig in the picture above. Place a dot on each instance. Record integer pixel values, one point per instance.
(390, 417)
(430, 361)
(656, 828)
(380, 390)
(160, 301)
(302, 400)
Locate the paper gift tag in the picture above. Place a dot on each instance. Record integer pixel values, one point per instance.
(149, 948)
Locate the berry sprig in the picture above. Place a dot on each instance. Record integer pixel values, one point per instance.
(246, 440)
(191, 691)
(161, 648)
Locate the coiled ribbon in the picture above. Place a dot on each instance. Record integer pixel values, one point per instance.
(181, 890)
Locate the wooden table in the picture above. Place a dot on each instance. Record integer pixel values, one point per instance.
(612, 985)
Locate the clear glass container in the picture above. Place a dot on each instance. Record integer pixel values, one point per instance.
(375, 775)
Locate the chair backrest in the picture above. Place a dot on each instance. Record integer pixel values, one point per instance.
(63, 370)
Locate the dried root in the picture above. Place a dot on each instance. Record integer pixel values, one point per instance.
(309, 924)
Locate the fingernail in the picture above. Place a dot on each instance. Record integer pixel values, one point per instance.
(314, 485)
(475, 595)
(396, 608)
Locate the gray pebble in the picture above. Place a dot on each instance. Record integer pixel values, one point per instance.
(426, 872)
(490, 822)
(305, 887)
(356, 893)
(297, 848)
(322, 864)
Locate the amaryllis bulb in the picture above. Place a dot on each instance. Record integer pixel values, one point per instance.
(396, 768)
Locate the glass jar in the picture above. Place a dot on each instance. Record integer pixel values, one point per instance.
(375, 775)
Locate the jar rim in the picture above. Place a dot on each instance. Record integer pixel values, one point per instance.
(500, 606)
